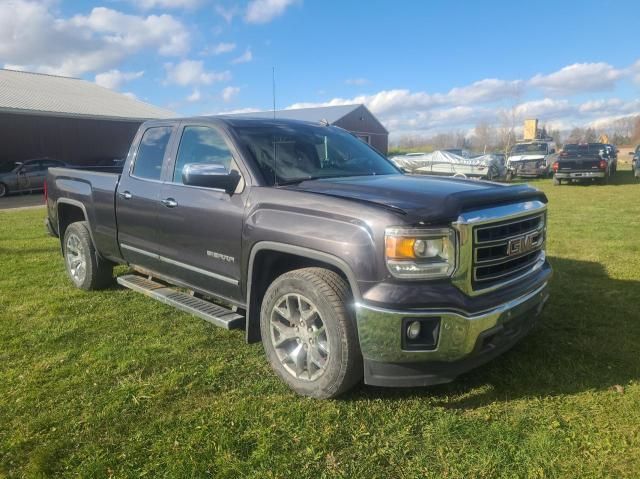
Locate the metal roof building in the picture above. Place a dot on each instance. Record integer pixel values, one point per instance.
(354, 118)
(69, 119)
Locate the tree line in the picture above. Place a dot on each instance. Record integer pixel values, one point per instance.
(491, 138)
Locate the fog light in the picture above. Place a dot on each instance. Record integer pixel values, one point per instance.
(413, 330)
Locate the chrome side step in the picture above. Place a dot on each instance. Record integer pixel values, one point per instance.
(213, 313)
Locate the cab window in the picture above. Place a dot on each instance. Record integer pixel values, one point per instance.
(148, 162)
(201, 144)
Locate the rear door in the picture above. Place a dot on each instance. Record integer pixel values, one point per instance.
(201, 227)
(138, 197)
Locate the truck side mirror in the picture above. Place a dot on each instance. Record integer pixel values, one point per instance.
(210, 175)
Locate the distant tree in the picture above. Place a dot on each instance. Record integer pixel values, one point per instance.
(576, 135)
(590, 136)
(484, 137)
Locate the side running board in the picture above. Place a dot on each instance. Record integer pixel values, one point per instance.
(213, 313)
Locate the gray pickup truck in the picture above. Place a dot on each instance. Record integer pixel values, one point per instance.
(344, 267)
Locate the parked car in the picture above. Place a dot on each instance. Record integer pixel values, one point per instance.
(26, 176)
(316, 244)
(531, 159)
(583, 162)
(635, 162)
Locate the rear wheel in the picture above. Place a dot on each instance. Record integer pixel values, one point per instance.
(3, 190)
(86, 269)
(308, 334)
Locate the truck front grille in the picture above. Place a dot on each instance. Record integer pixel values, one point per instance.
(505, 250)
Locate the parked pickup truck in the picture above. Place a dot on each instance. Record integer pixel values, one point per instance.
(344, 267)
(584, 162)
(531, 158)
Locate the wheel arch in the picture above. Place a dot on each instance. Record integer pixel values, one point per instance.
(70, 211)
(268, 260)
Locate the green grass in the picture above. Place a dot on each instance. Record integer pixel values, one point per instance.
(113, 384)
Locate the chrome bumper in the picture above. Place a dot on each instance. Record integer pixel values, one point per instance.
(380, 330)
(580, 174)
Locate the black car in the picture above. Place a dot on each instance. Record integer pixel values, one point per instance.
(26, 176)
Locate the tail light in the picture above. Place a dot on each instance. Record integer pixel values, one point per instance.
(602, 165)
(46, 192)
(555, 166)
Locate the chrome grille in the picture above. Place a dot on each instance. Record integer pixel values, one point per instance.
(506, 250)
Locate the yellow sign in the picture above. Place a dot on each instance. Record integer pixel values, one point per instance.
(530, 129)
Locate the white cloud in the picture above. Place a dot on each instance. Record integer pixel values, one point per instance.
(194, 96)
(33, 37)
(482, 91)
(221, 48)
(228, 13)
(356, 81)
(578, 78)
(228, 93)
(160, 4)
(134, 32)
(114, 79)
(263, 11)
(192, 72)
(246, 57)
(130, 95)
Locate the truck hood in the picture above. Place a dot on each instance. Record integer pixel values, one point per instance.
(430, 199)
(526, 157)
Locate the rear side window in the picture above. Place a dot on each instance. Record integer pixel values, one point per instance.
(153, 144)
(200, 144)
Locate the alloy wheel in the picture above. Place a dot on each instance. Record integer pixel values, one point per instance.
(299, 337)
(76, 260)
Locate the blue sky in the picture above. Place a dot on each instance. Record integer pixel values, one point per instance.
(421, 66)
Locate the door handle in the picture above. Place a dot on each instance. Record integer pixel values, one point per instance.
(169, 202)
(125, 195)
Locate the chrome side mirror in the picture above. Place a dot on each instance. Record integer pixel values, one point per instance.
(210, 175)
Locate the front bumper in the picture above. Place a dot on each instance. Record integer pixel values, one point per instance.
(464, 341)
(577, 175)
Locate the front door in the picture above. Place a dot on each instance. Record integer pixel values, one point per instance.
(201, 227)
(138, 198)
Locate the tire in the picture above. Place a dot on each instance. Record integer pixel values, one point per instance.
(4, 191)
(329, 361)
(86, 269)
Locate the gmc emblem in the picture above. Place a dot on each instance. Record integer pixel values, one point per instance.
(524, 244)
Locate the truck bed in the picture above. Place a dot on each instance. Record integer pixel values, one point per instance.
(92, 191)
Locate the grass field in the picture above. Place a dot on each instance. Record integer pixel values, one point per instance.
(112, 384)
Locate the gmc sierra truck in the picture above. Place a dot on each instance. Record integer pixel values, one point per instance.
(584, 162)
(317, 245)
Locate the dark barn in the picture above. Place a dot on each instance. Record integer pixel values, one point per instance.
(72, 120)
(354, 118)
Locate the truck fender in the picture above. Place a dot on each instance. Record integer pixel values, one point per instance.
(253, 312)
(78, 204)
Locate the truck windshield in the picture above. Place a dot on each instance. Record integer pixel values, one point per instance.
(289, 153)
(530, 149)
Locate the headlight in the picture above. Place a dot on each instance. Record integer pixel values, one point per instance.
(420, 253)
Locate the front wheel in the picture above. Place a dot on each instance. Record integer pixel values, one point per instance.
(86, 269)
(3, 190)
(308, 333)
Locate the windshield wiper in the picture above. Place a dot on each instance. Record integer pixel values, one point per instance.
(295, 181)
